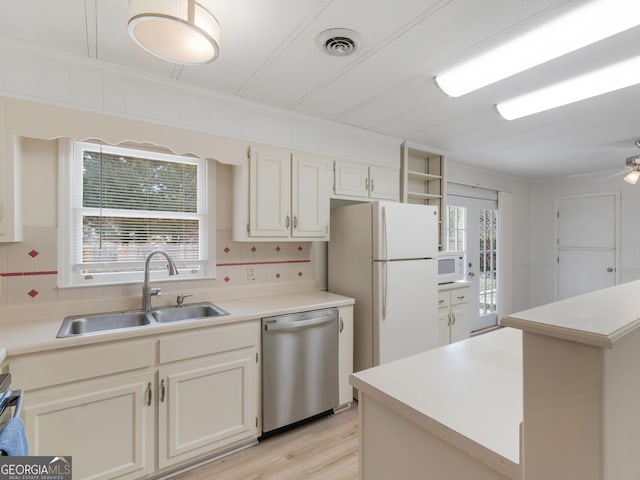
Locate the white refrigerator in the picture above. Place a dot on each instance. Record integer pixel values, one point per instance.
(384, 254)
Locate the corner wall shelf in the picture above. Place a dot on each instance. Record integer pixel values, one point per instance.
(423, 181)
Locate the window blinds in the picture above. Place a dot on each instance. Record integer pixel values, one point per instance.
(130, 202)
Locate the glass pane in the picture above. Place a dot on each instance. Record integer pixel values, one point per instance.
(132, 183)
(118, 240)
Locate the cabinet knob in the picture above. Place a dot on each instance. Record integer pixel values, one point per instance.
(610, 269)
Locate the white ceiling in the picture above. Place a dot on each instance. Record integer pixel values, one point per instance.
(269, 55)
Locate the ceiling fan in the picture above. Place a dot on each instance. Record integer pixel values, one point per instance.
(631, 171)
(633, 166)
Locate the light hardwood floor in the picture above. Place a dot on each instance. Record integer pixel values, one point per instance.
(326, 449)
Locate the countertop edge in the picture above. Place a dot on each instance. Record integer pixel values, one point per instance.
(288, 303)
(563, 333)
(472, 448)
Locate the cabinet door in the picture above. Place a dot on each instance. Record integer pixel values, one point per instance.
(384, 183)
(351, 179)
(108, 428)
(269, 193)
(310, 196)
(444, 319)
(345, 355)
(207, 406)
(460, 321)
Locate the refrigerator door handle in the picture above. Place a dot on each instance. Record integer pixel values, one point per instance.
(384, 232)
(385, 290)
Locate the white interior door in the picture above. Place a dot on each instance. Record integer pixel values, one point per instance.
(481, 254)
(587, 243)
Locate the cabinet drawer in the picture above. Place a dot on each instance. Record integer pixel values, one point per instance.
(208, 341)
(443, 299)
(79, 363)
(460, 295)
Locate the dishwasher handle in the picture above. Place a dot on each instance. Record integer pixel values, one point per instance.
(294, 325)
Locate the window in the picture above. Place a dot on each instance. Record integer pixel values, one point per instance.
(488, 260)
(126, 202)
(456, 229)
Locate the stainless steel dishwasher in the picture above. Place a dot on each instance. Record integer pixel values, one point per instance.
(300, 366)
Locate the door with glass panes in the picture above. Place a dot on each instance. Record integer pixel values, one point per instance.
(473, 227)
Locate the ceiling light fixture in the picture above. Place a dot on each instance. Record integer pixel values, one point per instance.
(614, 77)
(575, 29)
(179, 31)
(634, 175)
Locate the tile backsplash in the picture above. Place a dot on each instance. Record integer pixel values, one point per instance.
(28, 269)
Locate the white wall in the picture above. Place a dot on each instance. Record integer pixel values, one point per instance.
(541, 228)
(520, 188)
(93, 86)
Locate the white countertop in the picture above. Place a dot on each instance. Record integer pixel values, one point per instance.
(21, 337)
(468, 393)
(453, 285)
(598, 318)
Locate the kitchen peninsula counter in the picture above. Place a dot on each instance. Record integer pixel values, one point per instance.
(461, 406)
(567, 371)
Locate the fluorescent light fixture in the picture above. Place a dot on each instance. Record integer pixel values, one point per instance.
(614, 77)
(179, 31)
(566, 33)
(633, 176)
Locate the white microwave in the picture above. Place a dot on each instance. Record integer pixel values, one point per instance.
(450, 267)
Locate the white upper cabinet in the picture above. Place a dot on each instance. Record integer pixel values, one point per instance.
(269, 193)
(357, 180)
(281, 196)
(310, 196)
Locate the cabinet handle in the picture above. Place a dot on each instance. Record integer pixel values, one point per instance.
(460, 298)
(441, 300)
(372, 185)
(366, 184)
(341, 325)
(449, 320)
(295, 221)
(149, 394)
(286, 222)
(453, 316)
(163, 390)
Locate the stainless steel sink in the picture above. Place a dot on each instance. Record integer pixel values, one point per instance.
(79, 325)
(187, 312)
(101, 322)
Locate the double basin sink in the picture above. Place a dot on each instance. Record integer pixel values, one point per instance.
(80, 325)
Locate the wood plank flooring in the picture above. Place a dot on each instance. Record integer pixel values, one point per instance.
(326, 449)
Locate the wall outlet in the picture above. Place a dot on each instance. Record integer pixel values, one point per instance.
(251, 273)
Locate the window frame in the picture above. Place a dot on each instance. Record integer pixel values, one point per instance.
(70, 213)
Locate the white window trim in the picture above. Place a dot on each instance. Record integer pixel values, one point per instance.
(67, 278)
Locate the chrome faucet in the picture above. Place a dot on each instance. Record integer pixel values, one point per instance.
(147, 291)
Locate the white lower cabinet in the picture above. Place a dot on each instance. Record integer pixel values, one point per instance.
(107, 427)
(206, 406)
(345, 355)
(454, 322)
(132, 409)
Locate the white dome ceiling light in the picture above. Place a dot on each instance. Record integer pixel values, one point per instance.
(179, 31)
